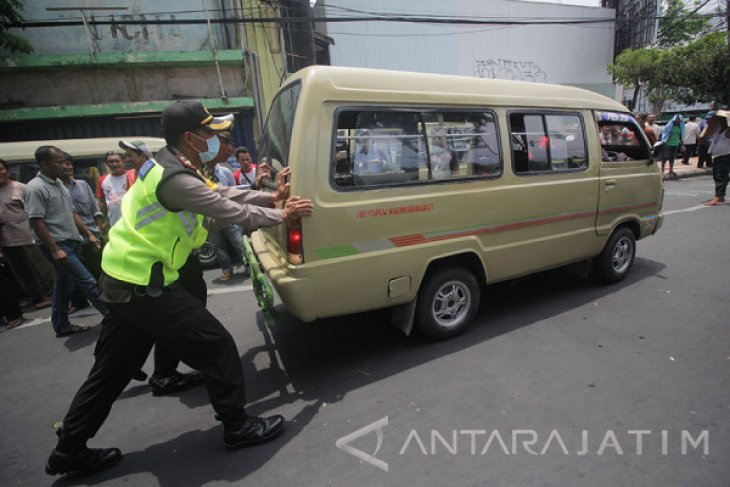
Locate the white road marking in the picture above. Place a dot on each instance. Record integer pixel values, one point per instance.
(684, 210)
(684, 192)
(230, 289)
(92, 311)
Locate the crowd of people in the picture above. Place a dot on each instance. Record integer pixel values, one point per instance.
(51, 239)
(147, 283)
(708, 139)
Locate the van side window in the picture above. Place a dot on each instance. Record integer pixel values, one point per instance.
(376, 148)
(622, 140)
(544, 143)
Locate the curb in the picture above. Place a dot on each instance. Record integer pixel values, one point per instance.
(693, 174)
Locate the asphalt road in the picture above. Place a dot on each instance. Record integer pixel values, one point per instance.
(560, 382)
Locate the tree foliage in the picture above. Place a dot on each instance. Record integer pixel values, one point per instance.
(699, 71)
(639, 68)
(689, 65)
(677, 26)
(9, 14)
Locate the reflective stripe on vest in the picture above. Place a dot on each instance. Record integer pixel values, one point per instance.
(148, 233)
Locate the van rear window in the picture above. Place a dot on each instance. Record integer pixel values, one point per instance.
(277, 132)
(374, 148)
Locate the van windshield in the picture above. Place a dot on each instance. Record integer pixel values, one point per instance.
(277, 133)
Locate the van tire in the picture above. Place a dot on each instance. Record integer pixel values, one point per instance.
(617, 257)
(447, 302)
(207, 256)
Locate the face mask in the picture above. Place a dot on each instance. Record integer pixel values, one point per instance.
(214, 145)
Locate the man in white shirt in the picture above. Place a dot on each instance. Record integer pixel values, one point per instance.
(651, 122)
(691, 135)
(112, 187)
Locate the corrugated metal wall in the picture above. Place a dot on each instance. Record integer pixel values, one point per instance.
(108, 127)
(560, 54)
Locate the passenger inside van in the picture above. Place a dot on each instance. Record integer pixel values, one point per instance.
(483, 153)
(620, 141)
(369, 158)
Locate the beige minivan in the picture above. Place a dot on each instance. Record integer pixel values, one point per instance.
(428, 188)
(89, 155)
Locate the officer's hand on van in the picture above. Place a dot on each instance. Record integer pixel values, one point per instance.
(282, 187)
(297, 207)
(263, 171)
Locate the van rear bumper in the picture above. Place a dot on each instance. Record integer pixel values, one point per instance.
(296, 293)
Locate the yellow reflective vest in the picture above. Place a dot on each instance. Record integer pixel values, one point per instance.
(149, 234)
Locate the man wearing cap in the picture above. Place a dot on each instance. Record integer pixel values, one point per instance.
(165, 378)
(136, 153)
(165, 215)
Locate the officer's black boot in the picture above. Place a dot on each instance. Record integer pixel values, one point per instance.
(82, 461)
(72, 456)
(250, 430)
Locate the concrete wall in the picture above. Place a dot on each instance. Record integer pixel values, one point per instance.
(70, 87)
(560, 54)
(123, 38)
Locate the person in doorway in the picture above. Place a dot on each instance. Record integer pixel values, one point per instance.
(164, 217)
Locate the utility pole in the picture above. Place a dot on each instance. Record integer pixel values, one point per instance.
(727, 70)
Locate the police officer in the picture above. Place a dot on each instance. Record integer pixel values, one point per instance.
(163, 220)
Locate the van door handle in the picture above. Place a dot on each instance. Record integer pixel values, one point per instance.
(610, 183)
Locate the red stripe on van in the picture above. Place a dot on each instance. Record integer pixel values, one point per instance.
(407, 240)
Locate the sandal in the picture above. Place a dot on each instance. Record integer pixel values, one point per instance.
(72, 330)
(15, 323)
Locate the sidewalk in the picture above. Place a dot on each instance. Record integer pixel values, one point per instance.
(683, 171)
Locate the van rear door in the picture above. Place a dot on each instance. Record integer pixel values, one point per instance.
(630, 184)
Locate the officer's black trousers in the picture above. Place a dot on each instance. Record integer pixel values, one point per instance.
(175, 321)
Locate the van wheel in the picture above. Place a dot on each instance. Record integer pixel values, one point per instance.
(615, 261)
(447, 302)
(207, 256)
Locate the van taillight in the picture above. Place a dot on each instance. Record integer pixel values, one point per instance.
(294, 244)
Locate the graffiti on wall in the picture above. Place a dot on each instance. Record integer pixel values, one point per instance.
(513, 70)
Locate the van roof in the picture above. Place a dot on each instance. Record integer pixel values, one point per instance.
(24, 151)
(342, 83)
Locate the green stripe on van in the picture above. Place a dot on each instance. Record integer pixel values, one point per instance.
(338, 251)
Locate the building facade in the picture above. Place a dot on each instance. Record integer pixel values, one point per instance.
(108, 70)
(561, 52)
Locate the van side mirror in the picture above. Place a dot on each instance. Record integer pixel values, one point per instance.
(657, 149)
(656, 152)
